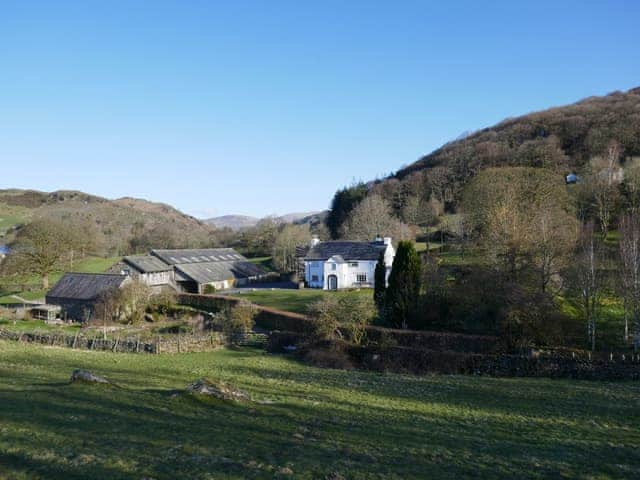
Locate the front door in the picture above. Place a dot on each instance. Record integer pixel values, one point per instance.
(332, 281)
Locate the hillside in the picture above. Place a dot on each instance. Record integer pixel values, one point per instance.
(234, 222)
(120, 226)
(562, 138)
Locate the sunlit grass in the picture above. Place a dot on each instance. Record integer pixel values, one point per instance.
(314, 422)
(296, 301)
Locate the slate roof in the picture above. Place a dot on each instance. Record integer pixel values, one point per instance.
(147, 263)
(347, 250)
(198, 255)
(218, 271)
(85, 286)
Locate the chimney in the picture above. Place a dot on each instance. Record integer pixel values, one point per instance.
(378, 239)
(314, 241)
(387, 240)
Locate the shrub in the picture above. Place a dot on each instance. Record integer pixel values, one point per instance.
(342, 317)
(237, 320)
(163, 303)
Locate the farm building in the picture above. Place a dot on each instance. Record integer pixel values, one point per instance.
(193, 270)
(148, 269)
(78, 293)
(48, 313)
(345, 264)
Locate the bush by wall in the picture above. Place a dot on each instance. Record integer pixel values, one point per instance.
(421, 361)
(273, 319)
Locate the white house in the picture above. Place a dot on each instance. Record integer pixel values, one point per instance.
(342, 264)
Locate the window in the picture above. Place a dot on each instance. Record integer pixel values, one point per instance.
(334, 266)
(361, 278)
(353, 264)
(314, 278)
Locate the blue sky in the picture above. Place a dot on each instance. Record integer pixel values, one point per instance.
(267, 107)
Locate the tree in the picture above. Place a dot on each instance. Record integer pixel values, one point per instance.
(554, 236)
(404, 285)
(260, 239)
(418, 211)
(524, 219)
(371, 218)
(604, 185)
(630, 272)
(380, 282)
(588, 278)
(284, 246)
(632, 186)
(343, 202)
(40, 248)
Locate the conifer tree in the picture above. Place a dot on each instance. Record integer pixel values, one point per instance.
(404, 285)
(380, 285)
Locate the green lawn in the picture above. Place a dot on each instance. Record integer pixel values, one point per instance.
(264, 262)
(311, 422)
(11, 215)
(294, 300)
(36, 326)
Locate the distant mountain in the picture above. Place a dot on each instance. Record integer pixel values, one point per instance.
(234, 222)
(120, 226)
(238, 222)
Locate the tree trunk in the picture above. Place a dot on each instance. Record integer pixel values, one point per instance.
(45, 281)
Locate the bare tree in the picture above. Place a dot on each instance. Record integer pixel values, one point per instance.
(417, 211)
(630, 272)
(372, 217)
(554, 236)
(604, 182)
(588, 278)
(284, 246)
(632, 186)
(520, 215)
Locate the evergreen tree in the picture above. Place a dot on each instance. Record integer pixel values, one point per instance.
(344, 201)
(404, 285)
(380, 285)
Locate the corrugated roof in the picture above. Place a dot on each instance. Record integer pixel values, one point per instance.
(147, 263)
(198, 255)
(347, 250)
(85, 286)
(219, 271)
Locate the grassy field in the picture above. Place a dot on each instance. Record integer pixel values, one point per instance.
(294, 300)
(264, 262)
(304, 423)
(11, 215)
(21, 326)
(86, 265)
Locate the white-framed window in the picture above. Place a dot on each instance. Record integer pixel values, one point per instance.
(353, 264)
(334, 266)
(361, 278)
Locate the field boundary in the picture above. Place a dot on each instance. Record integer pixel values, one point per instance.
(179, 343)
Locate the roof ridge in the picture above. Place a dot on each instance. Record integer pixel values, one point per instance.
(96, 273)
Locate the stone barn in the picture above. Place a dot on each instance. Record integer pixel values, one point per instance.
(78, 293)
(192, 270)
